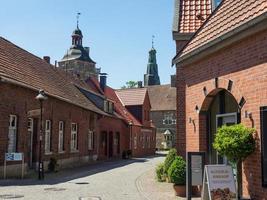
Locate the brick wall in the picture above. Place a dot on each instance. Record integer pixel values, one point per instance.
(19, 101)
(245, 63)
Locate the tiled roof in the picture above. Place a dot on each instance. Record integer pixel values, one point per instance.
(228, 16)
(132, 96)
(120, 109)
(31, 71)
(162, 97)
(190, 14)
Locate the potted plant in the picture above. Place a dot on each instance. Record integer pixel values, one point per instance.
(236, 143)
(53, 165)
(160, 173)
(177, 175)
(168, 161)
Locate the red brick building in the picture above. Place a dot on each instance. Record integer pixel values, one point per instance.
(130, 130)
(142, 131)
(69, 119)
(221, 79)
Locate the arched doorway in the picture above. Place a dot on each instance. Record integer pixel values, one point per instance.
(219, 108)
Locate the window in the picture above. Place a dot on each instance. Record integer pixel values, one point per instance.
(135, 142)
(144, 141)
(90, 140)
(110, 107)
(105, 105)
(61, 136)
(169, 119)
(47, 136)
(73, 143)
(12, 134)
(264, 144)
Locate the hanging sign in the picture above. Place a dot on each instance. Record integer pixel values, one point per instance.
(218, 183)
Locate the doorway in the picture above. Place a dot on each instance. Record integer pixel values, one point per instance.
(110, 144)
(223, 110)
(227, 119)
(32, 142)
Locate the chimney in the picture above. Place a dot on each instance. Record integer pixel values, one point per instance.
(47, 59)
(103, 80)
(55, 63)
(87, 49)
(173, 80)
(139, 84)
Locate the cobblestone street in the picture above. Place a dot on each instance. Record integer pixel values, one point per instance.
(113, 180)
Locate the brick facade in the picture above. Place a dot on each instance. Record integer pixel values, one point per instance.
(245, 64)
(19, 101)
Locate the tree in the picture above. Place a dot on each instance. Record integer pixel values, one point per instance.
(130, 84)
(236, 142)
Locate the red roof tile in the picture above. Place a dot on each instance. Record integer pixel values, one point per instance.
(132, 96)
(192, 13)
(30, 71)
(230, 15)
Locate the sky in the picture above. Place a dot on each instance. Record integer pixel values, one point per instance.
(118, 32)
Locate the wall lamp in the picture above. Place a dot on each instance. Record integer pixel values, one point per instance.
(248, 114)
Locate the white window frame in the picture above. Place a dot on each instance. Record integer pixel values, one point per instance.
(90, 140)
(144, 141)
(135, 142)
(74, 137)
(47, 137)
(12, 134)
(61, 137)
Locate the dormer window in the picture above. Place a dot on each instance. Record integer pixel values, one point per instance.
(108, 106)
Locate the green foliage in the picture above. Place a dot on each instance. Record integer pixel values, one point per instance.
(177, 171)
(160, 173)
(130, 84)
(236, 142)
(53, 165)
(169, 159)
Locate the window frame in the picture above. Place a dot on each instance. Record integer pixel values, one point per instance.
(90, 140)
(74, 141)
(47, 133)
(15, 129)
(61, 148)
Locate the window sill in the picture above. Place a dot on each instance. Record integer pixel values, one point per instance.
(61, 152)
(74, 151)
(49, 153)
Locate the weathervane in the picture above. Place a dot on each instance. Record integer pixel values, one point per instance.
(77, 17)
(153, 36)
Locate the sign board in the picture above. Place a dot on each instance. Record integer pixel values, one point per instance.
(195, 162)
(13, 156)
(197, 170)
(219, 183)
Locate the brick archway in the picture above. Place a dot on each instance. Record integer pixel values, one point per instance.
(210, 91)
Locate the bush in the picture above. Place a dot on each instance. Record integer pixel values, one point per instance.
(169, 159)
(53, 165)
(236, 142)
(177, 171)
(160, 172)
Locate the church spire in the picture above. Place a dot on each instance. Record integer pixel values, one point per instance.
(151, 77)
(77, 33)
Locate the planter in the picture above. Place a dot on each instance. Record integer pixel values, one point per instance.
(180, 190)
